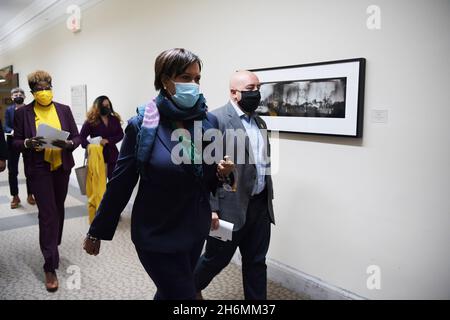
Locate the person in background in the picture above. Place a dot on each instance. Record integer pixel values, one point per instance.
(18, 98)
(3, 149)
(250, 208)
(171, 215)
(102, 121)
(48, 169)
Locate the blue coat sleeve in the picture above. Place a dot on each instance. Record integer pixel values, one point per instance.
(119, 188)
(9, 119)
(3, 148)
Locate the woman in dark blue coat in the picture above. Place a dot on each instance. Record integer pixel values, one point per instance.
(171, 215)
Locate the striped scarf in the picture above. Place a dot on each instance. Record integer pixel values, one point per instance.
(149, 117)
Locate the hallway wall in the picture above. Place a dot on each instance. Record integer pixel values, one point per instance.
(341, 204)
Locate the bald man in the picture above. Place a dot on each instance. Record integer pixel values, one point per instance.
(249, 208)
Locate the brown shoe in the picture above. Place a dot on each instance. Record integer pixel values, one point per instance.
(15, 202)
(51, 281)
(31, 200)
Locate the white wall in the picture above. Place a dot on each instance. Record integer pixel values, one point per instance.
(341, 204)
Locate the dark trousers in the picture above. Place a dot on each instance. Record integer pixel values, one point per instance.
(172, 273)
(50, 191)
(253, 241)
(13, 170)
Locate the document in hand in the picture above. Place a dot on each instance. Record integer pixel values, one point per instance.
(50, 134)
(95, 140)
(225, 231)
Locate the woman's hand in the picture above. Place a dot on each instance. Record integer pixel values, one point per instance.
(34, 143)
(104, 142)
(63, 144)
(225, 167)
(2, 165)
(214, 221)
(92, 247)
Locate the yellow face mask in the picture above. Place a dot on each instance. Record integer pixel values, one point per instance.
(44, 97)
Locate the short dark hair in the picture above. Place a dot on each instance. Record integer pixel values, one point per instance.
(173, 62)
(38, 76)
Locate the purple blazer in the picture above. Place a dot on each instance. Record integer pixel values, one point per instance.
(25, 127)
(113, 133)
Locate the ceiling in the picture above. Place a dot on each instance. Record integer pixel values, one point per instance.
(11, 8)
(21, 20)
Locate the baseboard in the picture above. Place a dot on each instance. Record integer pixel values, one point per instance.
(305, 285)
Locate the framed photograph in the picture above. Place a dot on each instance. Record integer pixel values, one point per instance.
(6, 74)
(324, 98)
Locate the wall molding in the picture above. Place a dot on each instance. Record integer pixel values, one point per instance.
(307, 285)
(304, 284)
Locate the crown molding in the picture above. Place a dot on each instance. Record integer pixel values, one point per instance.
(34, 19)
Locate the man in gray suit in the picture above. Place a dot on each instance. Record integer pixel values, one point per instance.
(249, 207)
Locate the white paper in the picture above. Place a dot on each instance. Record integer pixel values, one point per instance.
(95, 140)
(225, 231)
(50, 134)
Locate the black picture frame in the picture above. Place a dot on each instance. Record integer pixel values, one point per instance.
(323, 98)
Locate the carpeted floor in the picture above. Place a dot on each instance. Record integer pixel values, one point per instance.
(114, 274)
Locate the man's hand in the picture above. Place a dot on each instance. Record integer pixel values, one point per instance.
(63, 144)
(91, 247)
(2, 165)
(34, 143)
(215, 221)
(104, 142)
(225, 167)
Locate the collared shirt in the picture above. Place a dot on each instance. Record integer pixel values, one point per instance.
(257, 146)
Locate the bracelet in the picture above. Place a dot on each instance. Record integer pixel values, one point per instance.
(93, 239)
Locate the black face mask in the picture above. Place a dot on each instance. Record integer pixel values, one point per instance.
(105, 111)
(250, 100)
(18, 100)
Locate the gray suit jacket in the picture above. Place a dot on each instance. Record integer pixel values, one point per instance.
(232, 206)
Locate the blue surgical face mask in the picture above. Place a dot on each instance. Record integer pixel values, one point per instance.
(186, 95)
